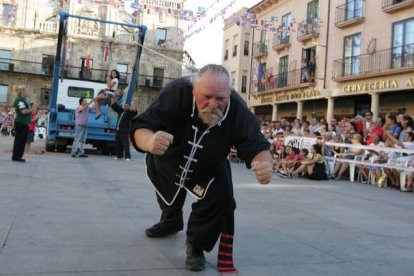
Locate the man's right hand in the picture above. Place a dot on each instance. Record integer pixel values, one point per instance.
(159, 142)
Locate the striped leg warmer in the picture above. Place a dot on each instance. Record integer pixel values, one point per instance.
(225, 255)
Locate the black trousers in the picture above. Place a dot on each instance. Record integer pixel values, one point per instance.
(20, 139)
(122, 144)
(209, 216)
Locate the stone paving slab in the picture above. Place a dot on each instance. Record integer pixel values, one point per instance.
(71, 216)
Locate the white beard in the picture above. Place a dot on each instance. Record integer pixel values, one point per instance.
(210, 116)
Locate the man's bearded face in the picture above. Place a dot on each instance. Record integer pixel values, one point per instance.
(210, 116)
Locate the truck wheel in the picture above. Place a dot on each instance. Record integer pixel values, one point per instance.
(50, 146)
(61, 148)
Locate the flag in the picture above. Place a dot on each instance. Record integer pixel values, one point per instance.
(88, 58)
(106, 53)
(68, 50)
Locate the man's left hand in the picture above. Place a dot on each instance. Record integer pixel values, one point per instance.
(263, 171)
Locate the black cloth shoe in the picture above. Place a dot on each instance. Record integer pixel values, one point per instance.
(158, 231)
(83, 155)
(19, 160)
(195, 258)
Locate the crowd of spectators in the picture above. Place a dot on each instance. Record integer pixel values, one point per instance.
(383, 134)
(6, 121)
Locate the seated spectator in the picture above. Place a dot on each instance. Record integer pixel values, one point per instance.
(391, 126)
(342, 166)
(335, 150)
(305, 127)
(323, 128)
(375, 129)
(372, 156)
(314, 125)
(392, 174)
(278, 156)
(406, 125)
(314, 168)
(350, 130)
(327, 138)
(278, 129)
(288, 131)
(366, 121)
(409, 183)
(297, 128)
(358, 120)
(289, 162)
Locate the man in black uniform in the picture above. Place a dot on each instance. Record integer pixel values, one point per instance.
(123, 127)
(187, 134)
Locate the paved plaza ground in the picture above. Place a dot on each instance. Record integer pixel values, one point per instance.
(86, 216)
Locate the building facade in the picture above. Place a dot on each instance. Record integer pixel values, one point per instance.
(28, 39)
(331, 59)
(237, 53)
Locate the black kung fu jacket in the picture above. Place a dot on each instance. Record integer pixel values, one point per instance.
(198, 153)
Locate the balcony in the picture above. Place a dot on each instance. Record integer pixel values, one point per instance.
(299, 78)
(350, 14)
(308, 29)
(260, 49)
(391, 6)
(72, 72)
(380, 63)
(281, 41)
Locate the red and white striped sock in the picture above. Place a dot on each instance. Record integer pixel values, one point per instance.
(225, 254)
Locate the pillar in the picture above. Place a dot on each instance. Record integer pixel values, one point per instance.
(330, 111)
(299, 112)
(375, 105)
(274, 112)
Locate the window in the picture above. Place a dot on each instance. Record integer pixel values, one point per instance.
(286, 20)
(160, 37)
(313, 9)
(353, 9)
(85, 72)
(6, 14)
(3, 93)
(246, 45)
(44, 96)
(352, 52)
(123, 72)
(158, 77)
(403, 44)
(233, 78)
(283, 71)
(226, 50)
(235, 38)
(48, 64)
(79, 92)
(244, 82)
(5, 57)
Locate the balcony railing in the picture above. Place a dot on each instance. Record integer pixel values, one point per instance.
(390, 6)
(283, 80)
(388, 60)
(308, 29)
(73, 72)
(281, 41)
(260, 48)
(350, 13)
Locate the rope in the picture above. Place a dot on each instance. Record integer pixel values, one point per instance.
(189, 68)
